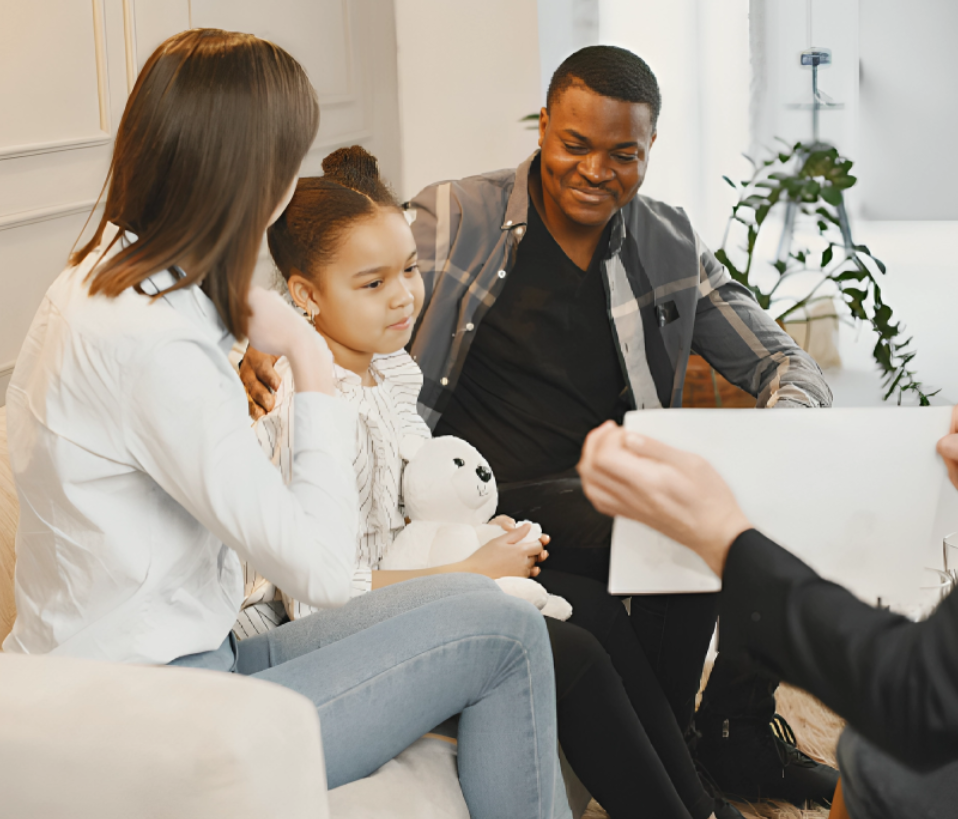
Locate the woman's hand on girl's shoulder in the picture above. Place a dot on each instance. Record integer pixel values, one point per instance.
(276, 329)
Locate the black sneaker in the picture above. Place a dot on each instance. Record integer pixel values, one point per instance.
(748, 760)
(721, 808)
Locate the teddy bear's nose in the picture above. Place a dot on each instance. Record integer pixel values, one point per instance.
(484, 474)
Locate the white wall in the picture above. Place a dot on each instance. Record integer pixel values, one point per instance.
(468, 72)
(780, 81)
(565, 26)
(894, 70)
(698, 50)
(909, 109)
(66, 68)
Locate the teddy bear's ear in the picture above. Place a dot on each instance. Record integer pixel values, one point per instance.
(410, 446)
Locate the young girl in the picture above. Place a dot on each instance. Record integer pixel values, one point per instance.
(140, 482)
(349, 261)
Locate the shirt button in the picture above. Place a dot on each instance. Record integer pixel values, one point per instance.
(444, 381)
(756, 616)
(502, 274)
(470, 327)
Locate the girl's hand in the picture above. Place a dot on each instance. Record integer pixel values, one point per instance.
(508, 524)
(276, 329)
(675, 492)
(506, 557)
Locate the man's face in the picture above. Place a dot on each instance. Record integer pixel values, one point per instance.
(595, 151)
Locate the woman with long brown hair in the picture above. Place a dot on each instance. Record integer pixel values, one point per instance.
(141, 483)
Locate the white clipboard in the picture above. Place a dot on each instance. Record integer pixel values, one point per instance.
(852, 492)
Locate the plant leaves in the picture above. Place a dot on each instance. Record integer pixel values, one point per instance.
(850, 275)
(805, 174)
(832, 195)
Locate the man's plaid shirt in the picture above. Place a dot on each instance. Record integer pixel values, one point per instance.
(468, 231)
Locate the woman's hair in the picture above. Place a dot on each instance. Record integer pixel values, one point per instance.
(309, 233)
(213, 133)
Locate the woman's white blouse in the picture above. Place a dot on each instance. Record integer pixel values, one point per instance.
(387, 412)
(140, 480)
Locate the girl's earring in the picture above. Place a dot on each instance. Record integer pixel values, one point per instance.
(310, 316)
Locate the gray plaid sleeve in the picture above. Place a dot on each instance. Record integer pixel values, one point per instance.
(743, 343)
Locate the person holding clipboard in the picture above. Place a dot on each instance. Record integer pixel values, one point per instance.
(894, 681)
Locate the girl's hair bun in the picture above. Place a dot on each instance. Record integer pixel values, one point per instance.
(309, 233)
(354, 168)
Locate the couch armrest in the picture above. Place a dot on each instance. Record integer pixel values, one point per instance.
(89, 739)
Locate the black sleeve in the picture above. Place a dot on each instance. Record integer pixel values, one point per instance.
(895, 681)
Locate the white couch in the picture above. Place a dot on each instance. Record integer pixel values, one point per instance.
(81, 738)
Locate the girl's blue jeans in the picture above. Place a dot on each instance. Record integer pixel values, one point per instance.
(392, 664)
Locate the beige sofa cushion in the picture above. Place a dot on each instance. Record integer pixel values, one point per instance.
(82, 738)
(9, 511)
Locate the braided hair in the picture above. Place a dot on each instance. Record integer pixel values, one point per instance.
(310, 231)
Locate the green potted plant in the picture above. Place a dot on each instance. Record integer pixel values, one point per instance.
(810, 180)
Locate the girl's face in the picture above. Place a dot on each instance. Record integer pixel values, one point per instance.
(369, 297)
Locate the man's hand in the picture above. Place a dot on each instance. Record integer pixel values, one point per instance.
(506, 557)
(675, 492)
(260, 379)
(948, 449)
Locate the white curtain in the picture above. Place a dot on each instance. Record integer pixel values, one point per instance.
(699, 51)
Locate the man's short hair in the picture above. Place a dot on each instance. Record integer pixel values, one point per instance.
(611, 72)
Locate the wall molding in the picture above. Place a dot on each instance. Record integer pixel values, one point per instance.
(349, 95)
(102, 75)
(342, 140)
(103, 101)
(129, 44)
(31, 148)
(29, 217)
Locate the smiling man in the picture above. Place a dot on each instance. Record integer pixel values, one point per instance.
(556, 299)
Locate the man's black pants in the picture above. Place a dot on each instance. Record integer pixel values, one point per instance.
(673, 630)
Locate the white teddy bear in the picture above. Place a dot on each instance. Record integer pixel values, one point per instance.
(450, 493)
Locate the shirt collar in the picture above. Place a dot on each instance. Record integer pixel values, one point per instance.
(347, 379)
(517, 208)
(190, 302)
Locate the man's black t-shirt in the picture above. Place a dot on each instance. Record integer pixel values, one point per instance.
(543, 369)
